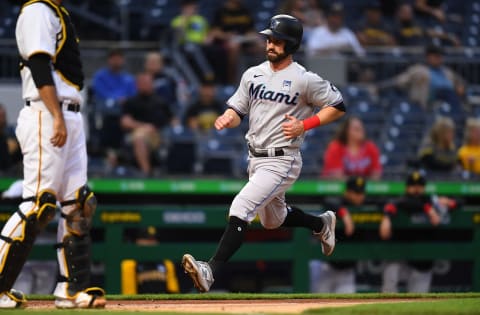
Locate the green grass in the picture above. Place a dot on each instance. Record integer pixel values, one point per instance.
(469, 306)
(283, 296)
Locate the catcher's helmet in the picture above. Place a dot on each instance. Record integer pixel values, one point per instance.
(288, 28)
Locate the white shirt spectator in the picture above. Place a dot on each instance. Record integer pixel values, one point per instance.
(323, 41)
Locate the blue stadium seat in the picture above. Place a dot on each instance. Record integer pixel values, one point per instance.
(372, 115)
(313, 149)
(409, 117)
(353, 93)
(224, 92)
(219, 151)
(182, 151)
(476, 111)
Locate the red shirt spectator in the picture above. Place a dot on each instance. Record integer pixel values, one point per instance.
(351, 154)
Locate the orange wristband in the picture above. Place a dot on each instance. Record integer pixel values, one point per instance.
(311, 122)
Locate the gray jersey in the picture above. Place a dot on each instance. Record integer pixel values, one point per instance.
(266, 96)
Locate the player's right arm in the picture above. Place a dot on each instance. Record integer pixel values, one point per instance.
(36, 31)
(40, 67)
(238, 104)
(48, 94)
(229, 119)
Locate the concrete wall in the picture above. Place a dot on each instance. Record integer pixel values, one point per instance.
(11, 98)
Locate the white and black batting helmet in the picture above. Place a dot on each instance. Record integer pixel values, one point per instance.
(287, 28)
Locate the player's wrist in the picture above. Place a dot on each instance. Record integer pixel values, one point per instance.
(342, 212)
(311, 122)
(57, 115)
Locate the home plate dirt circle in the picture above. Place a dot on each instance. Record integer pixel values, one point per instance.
(227, 306)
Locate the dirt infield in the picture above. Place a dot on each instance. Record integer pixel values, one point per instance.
(227, 306)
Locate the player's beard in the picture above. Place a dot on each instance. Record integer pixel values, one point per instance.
(276, 57)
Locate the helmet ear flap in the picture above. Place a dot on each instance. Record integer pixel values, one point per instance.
(291, 47)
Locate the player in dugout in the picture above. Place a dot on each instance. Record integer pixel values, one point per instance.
(423, 207)
(339, 276)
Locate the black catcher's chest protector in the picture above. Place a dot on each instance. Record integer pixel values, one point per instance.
(67, 53)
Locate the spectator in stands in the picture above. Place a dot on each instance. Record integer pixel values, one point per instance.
(192, 34)
(233, 29)
(373, 30)
(407, 31)
(164, 84)
(469, 152)
(111, 87)
(415, 203)
(436, 20)
(111, 83)
(389, 7)
(10, 154)
(351, 153)
(201, 115)
(438, 154)
(339, 276)
(144, 115)
(306, 11)
(334, 37)
(429, 82)
(410, 31)
(189, 26)
(431, 9)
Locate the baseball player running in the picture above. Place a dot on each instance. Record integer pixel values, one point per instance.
(280, 97)
(51, 136)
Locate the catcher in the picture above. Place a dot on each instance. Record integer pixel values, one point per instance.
(51, 135)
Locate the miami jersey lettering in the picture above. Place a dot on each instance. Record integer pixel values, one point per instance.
(266, 96)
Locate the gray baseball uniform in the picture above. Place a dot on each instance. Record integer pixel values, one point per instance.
(267, 96)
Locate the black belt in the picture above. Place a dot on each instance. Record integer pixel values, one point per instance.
(277, 152)
(70, 106)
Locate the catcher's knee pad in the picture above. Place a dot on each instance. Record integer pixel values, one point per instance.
(20, 233)
(47, 205)
(79, 212)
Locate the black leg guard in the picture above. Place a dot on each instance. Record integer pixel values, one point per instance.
(23, 230)
(73, 251)
(17, 252)
(77, 254)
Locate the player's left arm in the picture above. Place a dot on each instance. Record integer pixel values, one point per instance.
(328, 114)
(323, 94)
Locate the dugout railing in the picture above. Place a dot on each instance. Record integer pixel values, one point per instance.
(113, 222)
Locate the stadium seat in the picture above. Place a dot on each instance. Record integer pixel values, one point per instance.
(182, 151)
(219, 150)
(312, 149)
